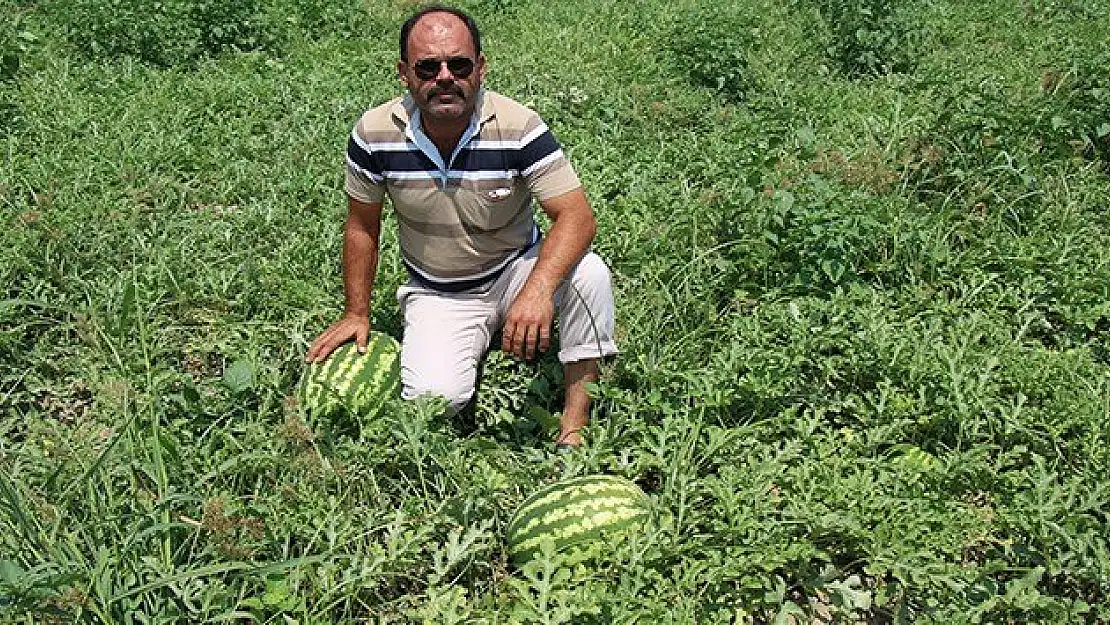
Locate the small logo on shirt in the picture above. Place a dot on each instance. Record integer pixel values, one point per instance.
(499, 194)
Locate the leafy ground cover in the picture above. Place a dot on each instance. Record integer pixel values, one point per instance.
(860, 253)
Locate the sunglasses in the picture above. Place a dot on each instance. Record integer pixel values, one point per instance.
(459, 66)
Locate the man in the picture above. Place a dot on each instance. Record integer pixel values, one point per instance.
(461, 166)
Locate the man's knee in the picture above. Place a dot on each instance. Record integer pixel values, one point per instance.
(586, 314)
(592, 275)
(457, 392)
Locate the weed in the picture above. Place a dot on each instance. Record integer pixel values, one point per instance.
(182, 32)
(871, 37)
(15, 43)
(712, 45)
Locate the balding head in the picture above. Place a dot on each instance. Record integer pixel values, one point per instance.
(439, 17)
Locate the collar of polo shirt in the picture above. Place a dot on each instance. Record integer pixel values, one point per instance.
(407, 112)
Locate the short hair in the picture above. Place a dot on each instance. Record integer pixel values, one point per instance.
(471, 25)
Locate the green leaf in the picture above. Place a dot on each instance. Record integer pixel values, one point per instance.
(251, 602)
(807, 137)
(790, 612)
(127, 308)
(849, 594)
(239, 377)
(11, 573)
(545, 419)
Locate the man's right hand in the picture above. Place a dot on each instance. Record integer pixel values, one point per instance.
(350, 326)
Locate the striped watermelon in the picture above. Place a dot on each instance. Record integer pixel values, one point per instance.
(575, 513)
(359, 383)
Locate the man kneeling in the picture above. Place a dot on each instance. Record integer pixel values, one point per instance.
(461, 166)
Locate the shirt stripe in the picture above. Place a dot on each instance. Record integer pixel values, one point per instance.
(532, 134)
(457, 285)
(537, 150)
(416, 160)
(375, 178)
(452, 174)
(550, 158)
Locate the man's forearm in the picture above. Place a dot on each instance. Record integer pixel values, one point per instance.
(572, 231)
(360, 266)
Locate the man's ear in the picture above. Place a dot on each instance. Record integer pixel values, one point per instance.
(481, 67)
(402, 73)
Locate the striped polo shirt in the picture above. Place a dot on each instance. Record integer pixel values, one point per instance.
(463, 220)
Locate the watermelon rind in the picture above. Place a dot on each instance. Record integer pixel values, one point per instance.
(348, 381)
(575, 513)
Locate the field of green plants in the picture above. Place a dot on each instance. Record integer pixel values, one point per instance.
(861, 252)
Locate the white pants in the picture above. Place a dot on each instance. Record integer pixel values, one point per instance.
(446, 334)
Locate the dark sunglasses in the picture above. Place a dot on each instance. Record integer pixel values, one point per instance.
(459, 66)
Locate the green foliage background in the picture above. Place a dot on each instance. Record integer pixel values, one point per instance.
(860, 254)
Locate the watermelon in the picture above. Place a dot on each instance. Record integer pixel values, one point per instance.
(575, 513)
(354, 382)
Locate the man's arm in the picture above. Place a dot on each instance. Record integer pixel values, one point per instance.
(528, 322)
(361, 235)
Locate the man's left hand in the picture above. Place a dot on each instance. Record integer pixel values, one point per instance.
(528, 322)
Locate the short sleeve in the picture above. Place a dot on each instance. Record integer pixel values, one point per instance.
(543, 165)
(365, 181)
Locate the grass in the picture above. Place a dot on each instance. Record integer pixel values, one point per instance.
(863, 321)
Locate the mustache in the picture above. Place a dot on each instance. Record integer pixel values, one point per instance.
(451, 90)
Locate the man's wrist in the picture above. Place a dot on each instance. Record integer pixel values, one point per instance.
(543, 284)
